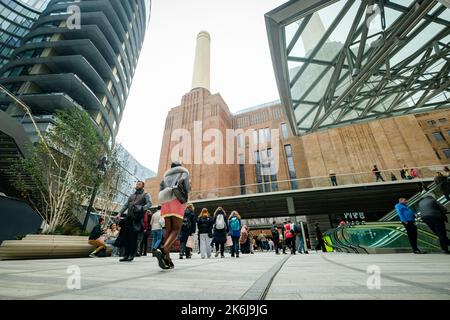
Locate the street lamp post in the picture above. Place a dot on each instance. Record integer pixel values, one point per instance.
(101, 167)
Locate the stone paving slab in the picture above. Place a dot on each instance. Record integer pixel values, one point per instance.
(314, 276)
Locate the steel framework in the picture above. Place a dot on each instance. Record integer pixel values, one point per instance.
(354, 72)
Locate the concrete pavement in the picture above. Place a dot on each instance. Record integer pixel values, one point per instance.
(313, 276)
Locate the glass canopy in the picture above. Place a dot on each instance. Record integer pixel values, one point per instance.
(340, 62)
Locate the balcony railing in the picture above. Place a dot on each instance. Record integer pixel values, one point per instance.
(425, 174)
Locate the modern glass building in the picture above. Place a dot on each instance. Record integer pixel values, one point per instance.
(339, 62)
(16, 19)
(77, 54)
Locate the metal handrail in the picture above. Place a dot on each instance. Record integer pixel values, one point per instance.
(340, 175)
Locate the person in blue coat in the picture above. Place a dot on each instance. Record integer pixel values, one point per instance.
(188, 228)
(234, 227)
(408, 219)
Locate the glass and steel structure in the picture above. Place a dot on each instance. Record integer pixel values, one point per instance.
(16, 19)
(338, 62)
(78, 54)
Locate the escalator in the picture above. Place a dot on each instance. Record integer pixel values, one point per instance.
(388, 235)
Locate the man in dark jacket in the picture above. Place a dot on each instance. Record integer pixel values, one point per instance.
(138, 203)
(443, 184)
(434, 215)
(275, 237)
(188, 228)
(319, 238)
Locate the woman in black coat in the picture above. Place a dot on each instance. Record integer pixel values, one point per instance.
(188, 228)
(220, 231)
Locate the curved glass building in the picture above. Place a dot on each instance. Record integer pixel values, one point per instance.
(16, 19)
(78, 54)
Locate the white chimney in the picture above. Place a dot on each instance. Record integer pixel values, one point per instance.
(201, 77)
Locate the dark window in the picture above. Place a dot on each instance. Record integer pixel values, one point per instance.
(258, 172)
(291, 167)
(266, 170)
(446, 153)
(438, 136)
(242, 172)
(443, 120)
(431, 122)
(273, 170)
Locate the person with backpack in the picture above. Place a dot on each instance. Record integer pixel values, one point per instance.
(289, 236)
(204, 225)
(188, 228)
(234, 225)
(220, 231)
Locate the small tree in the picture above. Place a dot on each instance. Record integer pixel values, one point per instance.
(57, 175)
(113, 178)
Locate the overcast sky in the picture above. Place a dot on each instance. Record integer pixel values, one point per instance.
(241, 67)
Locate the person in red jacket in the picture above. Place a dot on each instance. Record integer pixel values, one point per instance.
(289, 237)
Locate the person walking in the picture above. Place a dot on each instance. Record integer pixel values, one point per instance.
(289, 236)
(407, 217)
(136, 206)
(234, 227)
(376, 172)
(434, 215)
(95, 238)
(173, 196)
(220, 231)
(245, 240)
(301, 244)
(275, 237)
(319, 238)
(188, 229)
(333, 178)
(157, 225)
(443, 183)
(204, 225)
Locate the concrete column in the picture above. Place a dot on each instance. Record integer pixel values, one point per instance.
(201, 77)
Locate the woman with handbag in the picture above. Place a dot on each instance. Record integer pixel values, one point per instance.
(173, 196)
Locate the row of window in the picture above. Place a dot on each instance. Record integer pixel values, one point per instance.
(263, 136)
(266, 173)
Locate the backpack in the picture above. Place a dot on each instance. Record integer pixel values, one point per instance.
(235, 225)
(220, 222)
(275, 233)
(186, 225)
(295, 228)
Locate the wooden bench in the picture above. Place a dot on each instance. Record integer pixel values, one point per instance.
(46, 247)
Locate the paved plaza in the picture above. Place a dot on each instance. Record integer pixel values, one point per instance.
(313, 276)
